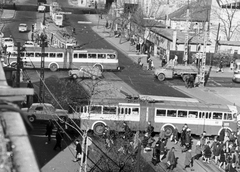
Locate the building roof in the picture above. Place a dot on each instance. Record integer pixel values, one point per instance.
(229, 43)
(199, 11)
(168, 34)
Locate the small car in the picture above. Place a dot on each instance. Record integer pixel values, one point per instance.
(11, 48)
(41, 8)
(29, 44)
(43, 111)
(7, 41)
(93, 73)
(22, 27)
(236, 77)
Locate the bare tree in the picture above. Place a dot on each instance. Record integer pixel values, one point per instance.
(227, 16)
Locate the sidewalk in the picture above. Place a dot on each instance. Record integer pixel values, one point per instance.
(212, 95)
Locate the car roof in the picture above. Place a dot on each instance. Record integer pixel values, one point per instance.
(42, 104)
(23, 24)
(7, 38)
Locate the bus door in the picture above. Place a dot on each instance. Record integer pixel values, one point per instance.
(204, 122)
(70, 57)
(65, 58)
(130, 114)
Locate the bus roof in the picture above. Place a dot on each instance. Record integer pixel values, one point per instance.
(164, 104)
(96, 50)
(47, 49)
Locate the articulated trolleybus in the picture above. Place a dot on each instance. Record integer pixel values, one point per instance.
(104, 59)
(167, 115)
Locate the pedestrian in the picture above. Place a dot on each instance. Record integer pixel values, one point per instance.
(222, 135)
(175, 135)
(188, 140)
(220, 66)
(171, 159)
(49, 129)
(127, 132)
(188, 160)
(140, 62)
(73, 31)
(216, 150)
(162, 149)
(207, 152)
(59, 137)
(191, 81)
(78, 155)
(183, 135)
(156, 152)
(150, 129)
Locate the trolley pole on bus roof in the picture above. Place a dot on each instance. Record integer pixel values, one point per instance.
(43, 38)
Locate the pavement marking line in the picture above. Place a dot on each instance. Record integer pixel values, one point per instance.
(215, 82)
(84, 22)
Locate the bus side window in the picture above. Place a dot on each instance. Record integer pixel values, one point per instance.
(96, 109)
(29, 54)
(82, 56)
(101, 56)
(52, 55)
(92, 56)
(38, 54)
(160, 112)
(228, 116)
(182, 113)
(208, 115)
(171, 113)
(135, 111)
(75, 55)
(217, 115)
(122, 110)
(192, 114)
(112, 56)
(22, 54)
(201, 114)
(59, 55)
(46, 55)
(109, 110)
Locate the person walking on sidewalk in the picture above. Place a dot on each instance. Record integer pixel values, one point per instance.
(49, 128)
(188, 160)
(59, 136)
(171, 160)
(78, 151)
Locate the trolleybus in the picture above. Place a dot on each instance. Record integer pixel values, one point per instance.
(166, 115)
(104, 59)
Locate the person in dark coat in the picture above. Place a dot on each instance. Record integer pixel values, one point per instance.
(162, 149)
(156, 152)
(222, 135)
(127, 131)
(171, 159)
(59, 137)
(78, 151)
(49, 128)
(216, 150)
(207, 152)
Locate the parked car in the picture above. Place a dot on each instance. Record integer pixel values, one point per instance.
(236, 77)
(7, 41)
(29, 44)
(11, 48)
(93, 73)
(44, 111)
(22, 27)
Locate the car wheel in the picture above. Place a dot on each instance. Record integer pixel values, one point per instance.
(53, 67)
(74, 76)
(31, 118)
(99, 128)
(161, 77)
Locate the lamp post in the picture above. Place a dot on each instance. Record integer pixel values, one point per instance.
(185, 55)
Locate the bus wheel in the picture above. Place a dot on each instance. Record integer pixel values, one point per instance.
(161, 77)
(53, 67)
(99, 67)
(168, 130)
(31, 118)
(99, 128)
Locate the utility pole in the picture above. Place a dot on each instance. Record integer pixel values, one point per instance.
(43, 38)
(216, 43)
(185, 55)
(19, 62)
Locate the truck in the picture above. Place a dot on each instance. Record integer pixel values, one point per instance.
(169, 71)
(44, 111)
